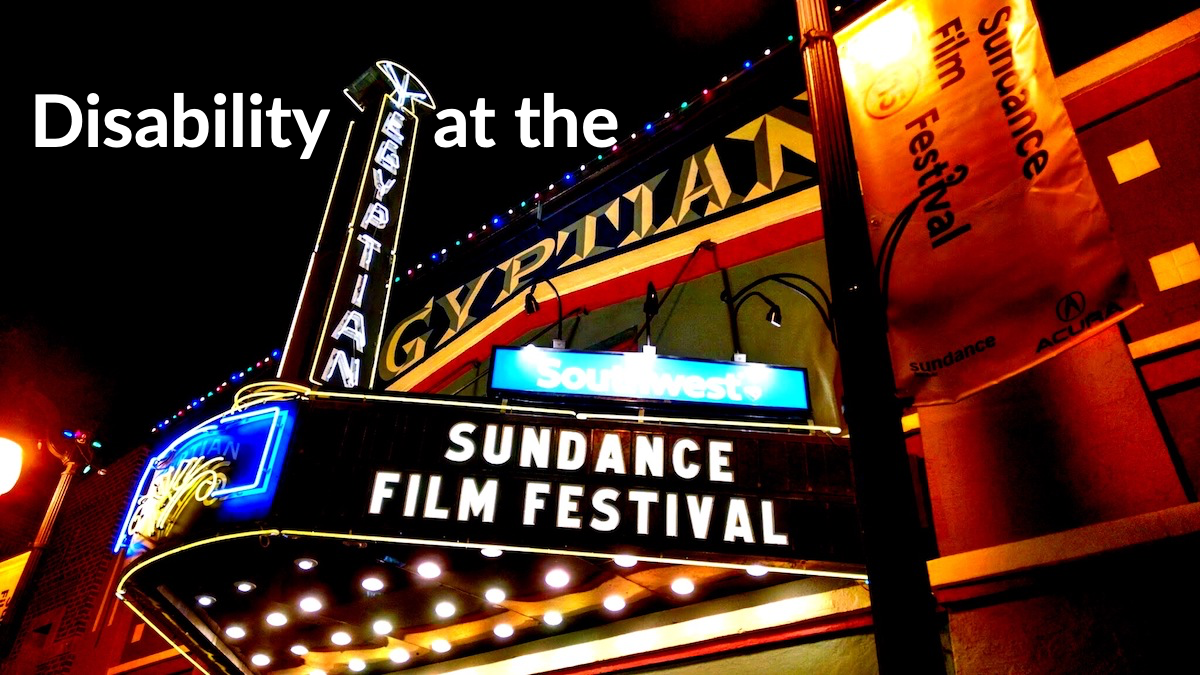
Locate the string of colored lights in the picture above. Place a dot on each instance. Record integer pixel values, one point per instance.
(569, 178)
(237, 378)
(525, 206)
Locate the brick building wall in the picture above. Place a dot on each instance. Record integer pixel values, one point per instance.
(68, 591)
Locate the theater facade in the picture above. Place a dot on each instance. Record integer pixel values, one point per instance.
(604, 432)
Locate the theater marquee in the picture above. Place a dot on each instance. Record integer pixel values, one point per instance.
(439, 471)
(594, 482)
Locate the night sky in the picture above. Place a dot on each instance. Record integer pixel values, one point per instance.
(134, 279)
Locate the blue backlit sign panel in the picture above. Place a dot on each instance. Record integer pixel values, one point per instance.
(232, 460)
(638, 376)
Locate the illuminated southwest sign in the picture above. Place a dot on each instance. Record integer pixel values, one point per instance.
(234, 460)
(639, 376)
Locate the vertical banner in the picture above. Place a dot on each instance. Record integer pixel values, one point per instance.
(351, 331)
(992, 248)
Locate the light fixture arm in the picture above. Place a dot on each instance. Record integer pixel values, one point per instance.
(746, 296)
(556, 297)
(824, 305)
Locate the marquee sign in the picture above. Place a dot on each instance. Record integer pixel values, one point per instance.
(645, 377)
(233, 460)
(461, 474)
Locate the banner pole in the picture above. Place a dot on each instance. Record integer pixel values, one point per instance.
(902, 606)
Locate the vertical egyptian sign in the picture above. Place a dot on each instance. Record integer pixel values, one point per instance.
(351, 328)
(992, 248)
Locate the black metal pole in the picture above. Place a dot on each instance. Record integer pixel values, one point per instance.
(902, 606)
(727, 298)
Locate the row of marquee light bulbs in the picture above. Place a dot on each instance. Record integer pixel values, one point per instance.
(498, 221)
(531, 204)
(310, 604)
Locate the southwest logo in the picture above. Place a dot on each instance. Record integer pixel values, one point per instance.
(630, 376)
(620, 380)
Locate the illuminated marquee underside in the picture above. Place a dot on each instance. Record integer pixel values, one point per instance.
(493, 598)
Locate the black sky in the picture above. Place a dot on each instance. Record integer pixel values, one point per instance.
(154, 273)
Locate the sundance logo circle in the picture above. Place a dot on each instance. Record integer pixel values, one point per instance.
(891, 90)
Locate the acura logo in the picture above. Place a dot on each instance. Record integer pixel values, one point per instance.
(1070, 306)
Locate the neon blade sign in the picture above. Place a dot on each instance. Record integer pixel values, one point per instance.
(233, 461)
(352, 328)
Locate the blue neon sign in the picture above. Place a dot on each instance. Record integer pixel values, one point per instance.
(641, 376)
(234, 459)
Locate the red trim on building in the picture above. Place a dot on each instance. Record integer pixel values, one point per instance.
(798, 631)
(1135, 84)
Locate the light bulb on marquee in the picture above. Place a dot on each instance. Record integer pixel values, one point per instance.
(557, 578)
(683, 586)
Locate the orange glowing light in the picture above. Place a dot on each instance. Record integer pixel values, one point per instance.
(890, 41)
(10, 464)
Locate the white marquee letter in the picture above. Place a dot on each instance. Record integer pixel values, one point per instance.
(381, 490)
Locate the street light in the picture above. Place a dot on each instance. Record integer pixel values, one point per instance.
(10, 464)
